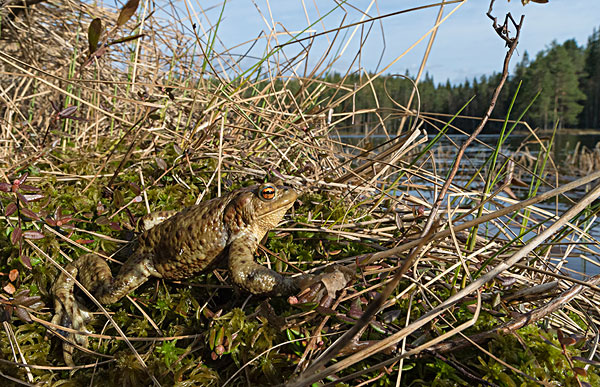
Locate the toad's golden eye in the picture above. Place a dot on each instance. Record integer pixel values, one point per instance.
(267, 191)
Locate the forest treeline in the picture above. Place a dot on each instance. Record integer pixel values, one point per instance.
(566, 76)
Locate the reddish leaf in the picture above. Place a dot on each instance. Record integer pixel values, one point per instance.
(177, 149)
(567, 341)
(5, 187)
(75, 118)
(135, 188)
(13, 275)
(30, 214)
(97, 54)
(33, 197)
(508, 281)
(118, 198)
(23, 300)
(102, 221)
(161, 163)
(355, 310)
(29, 188)
(22, 178)
(84, 241)
(94, 32)
(545, 340)
(9, 288)
(51, 222)
(22, 198)
(10, 209)
(325, 311)
(22, 314)
(127, 12)
(115, 226)
(64, 220)
(20, 296)
(586, 360)
(32, 234)
(580, 371)
(346, 319)
(26, 261)
(391, 316)
(277, 174)
(206, 312)
(67, 111)
(6, 314)
(16, 235)
(43, 212)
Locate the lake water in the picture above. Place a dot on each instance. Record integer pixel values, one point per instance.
(523, 148)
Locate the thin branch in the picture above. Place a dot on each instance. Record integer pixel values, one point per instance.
(520, 321)
(512, 46)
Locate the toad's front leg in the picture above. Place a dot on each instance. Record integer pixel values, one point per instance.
(255, 278)
(94, 275)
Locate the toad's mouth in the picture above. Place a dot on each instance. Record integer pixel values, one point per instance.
(284, 207)
(281, 206)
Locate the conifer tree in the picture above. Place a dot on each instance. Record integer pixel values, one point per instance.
(590, 117)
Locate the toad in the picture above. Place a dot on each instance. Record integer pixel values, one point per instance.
(178, 245)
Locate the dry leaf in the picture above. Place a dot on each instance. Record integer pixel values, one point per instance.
(9, 288)
(127, 12)
(94, 31)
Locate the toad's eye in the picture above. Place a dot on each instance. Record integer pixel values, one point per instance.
(267, 192)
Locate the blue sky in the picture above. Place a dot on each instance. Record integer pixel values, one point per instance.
(466, 46)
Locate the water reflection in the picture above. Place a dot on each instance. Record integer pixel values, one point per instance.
(524, 150)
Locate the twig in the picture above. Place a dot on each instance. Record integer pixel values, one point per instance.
(519, 322)
(366, 317)
(307, 379)
(503, 33)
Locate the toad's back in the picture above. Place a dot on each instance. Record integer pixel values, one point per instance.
(188, 242)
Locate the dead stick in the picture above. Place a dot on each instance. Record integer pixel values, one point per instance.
(308, 377)
(519, 322)
(512, 42)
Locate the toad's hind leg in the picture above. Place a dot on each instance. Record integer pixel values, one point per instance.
(94, 275)
(255, 278)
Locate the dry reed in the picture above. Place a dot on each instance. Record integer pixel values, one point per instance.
(158, 93)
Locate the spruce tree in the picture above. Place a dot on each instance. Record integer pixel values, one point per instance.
(590, 117)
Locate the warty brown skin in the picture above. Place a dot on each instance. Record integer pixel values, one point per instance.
(181, 245)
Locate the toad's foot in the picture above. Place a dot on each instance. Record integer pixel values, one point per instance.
(322, 288)
(69, 313)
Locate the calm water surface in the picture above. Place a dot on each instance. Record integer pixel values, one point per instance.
(515, 147)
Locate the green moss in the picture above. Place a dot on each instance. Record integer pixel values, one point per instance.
(215, 339)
